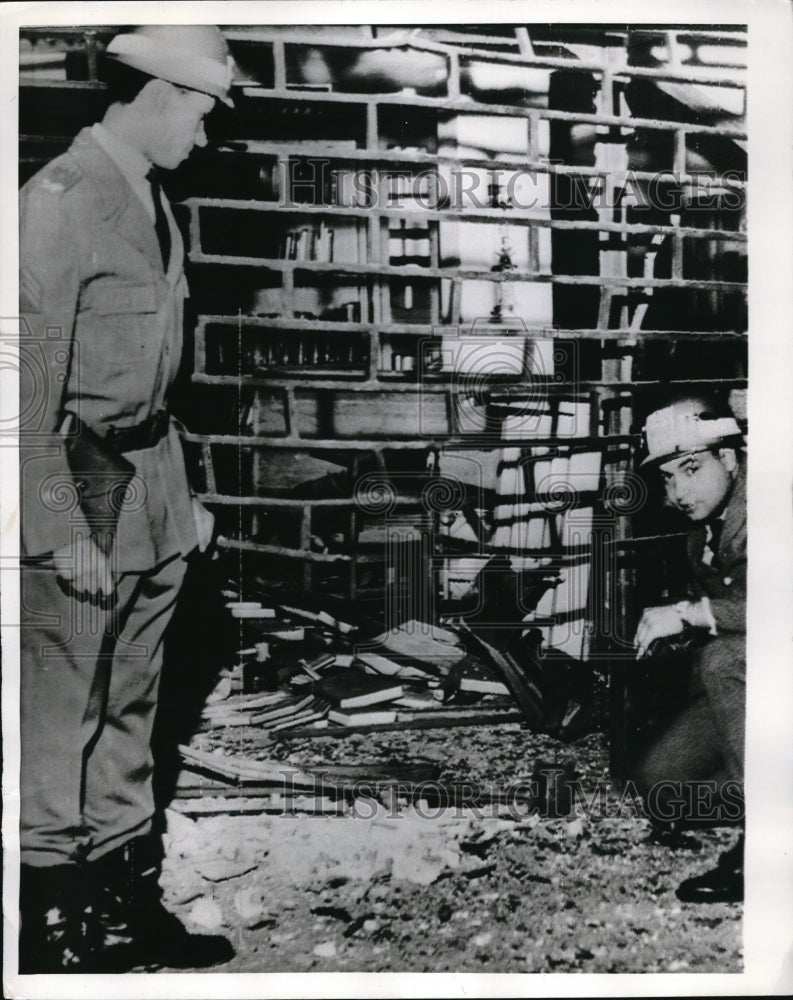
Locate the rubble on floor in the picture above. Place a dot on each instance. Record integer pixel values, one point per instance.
(453, 847)
(466, 891)
(371, 841)
(300, 665)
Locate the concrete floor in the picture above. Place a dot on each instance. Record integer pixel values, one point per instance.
(449, 891)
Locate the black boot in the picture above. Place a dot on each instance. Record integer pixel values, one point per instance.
(724, 884)
(53, 931)
(132, 927)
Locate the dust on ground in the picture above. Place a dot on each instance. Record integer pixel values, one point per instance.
(398, 886)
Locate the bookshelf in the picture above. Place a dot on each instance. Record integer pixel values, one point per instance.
(435, 289)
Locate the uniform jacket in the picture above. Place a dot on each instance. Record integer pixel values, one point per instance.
(101, 336)
(724, 581)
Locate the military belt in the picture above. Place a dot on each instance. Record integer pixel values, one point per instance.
(140, 436)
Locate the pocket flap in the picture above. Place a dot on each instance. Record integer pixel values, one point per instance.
(123, 297)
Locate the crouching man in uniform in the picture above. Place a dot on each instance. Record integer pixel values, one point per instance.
(692, 773)
(102, 290)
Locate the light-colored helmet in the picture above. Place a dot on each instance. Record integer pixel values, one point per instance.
(686, 426)
(195, 56)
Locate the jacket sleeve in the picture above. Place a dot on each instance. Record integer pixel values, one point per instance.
(725, 587)
(49, 286)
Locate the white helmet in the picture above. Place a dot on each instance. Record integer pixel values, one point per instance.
(195, 56)
(685, 426)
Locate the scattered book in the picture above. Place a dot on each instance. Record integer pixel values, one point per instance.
(328, 619)
(353, 689)
(239, 611)
(383, 665)
(316, 709)
(420, 700)
(474, 676)
(416, 637)
(275, 629)
(280, 711)
(362, 717)
(483, 685)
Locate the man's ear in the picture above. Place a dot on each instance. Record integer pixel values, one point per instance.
(728, 459)
(155, 94)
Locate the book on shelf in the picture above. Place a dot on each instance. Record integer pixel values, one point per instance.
(354, 689)
(322, 244)
(296, 244)
(408, 243)
(308, 243)
(350, 188)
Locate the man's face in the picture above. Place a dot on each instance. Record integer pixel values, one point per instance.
(699, 484)
(178, 125)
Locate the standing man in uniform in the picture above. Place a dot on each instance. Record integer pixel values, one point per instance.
(692, 771)
(102, 290)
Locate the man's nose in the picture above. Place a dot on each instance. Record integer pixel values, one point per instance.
(679, 490)
(201, 136)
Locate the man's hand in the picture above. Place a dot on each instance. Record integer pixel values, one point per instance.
(698, 614)
(204, 524)
(657, 623)
(85, 570)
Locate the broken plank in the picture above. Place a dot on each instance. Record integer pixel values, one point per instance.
(427, 720)
(437, 794)
(246, 806)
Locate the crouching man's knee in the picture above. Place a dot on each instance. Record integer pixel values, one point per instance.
(672, 802)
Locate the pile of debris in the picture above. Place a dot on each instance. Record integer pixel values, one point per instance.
(312, 668)
(308, 666)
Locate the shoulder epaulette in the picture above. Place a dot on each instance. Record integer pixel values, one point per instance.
(59, 176)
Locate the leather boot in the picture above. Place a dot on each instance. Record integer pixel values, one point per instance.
(53, 931)
(724, 884)
(132, 927)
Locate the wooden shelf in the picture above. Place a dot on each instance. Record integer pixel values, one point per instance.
(462, 383)
(316, 413)
(463, 105)
(468, 43)
(453, 442)
(445, 105)
(397, 157)
(501, 216)
(472, 274)
(433, 331)
(292, 503)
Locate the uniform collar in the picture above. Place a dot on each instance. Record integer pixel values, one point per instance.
(129, 160)
(115, 194)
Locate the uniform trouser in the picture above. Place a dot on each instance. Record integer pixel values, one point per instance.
(703, 747)
(89, 684)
